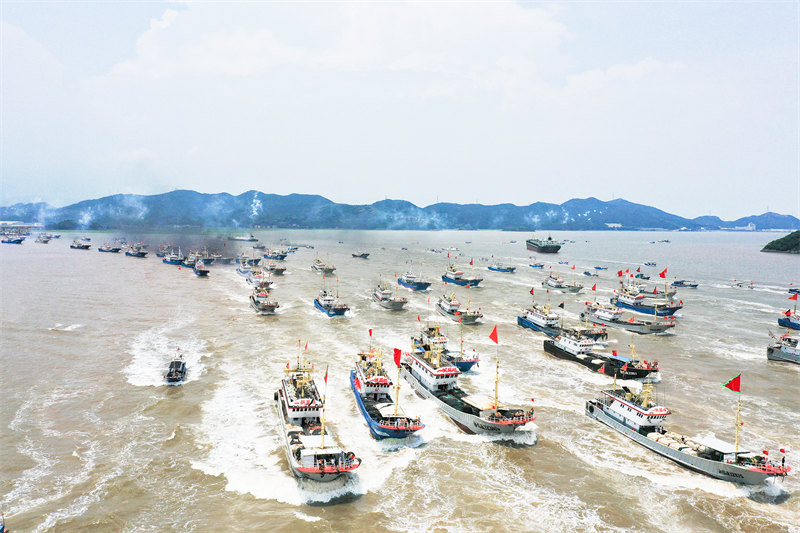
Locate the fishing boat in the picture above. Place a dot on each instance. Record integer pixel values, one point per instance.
(275, 255)
(650, 264)
(794, 290)
(261, 301)
(685, 284)
(540, 318)
(136, 250)
(454, 275)
(563, 262)
(547, 246)
(321, 266)
(638, 417)
(600, 268)
(163, 249)
(609, 315)
(245, 237)
(244, 270)
(536, 265)
(639, 275)
(383, 295)
(784, 348)
(274, 269)
(109, 248)
(590, 274)
(43, 238)
(84, 243)
(301, 411)
(554, 281)
(638, 303)
(579, 349)
(173, 257)
(411, 281)
(259, 246)
(790, 319)
(176, 372)
(244, 259)
(257, 278)
(360, 255)
(14, 239)
(499, 267)
(434, 379)
(371, 386)
(328, 303)
(743, 284)
(432, 339)
(450, 307)
(200, 269)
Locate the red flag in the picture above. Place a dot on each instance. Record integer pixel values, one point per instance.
(448, 254)
(734, 384)
(468, 285)
(594, 287)
(782, 450)
(663, 273)
(287, 365)
(639, 269)
(419, 319)
(765, 452)
(624, 367)
(655, 291)
(493, 335)
(793, 296)
(326, 375)
(470, 261)
(619, 273)
(573, 267)
(306, 346)
(627, 270)
(788, 312)
(602, 369)
(614, 352)
(397, 353)
(631, 320)
(370, 333)
(531, 291)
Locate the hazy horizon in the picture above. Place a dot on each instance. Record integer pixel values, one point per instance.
(691, 108)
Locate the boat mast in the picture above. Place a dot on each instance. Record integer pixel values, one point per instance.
(324, 397)
(738, 425)
(496, 380)
(397, 391)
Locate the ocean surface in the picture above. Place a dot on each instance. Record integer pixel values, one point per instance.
(92, 440)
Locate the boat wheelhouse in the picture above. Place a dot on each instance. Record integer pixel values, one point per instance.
(411, 281)
(450, 307)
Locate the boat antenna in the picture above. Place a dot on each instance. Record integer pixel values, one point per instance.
(496, 376)
(738, 425)
(324, 397)
(397, 389)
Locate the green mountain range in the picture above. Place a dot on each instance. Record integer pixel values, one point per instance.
(190, 209)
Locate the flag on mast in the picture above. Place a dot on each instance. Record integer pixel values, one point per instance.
(663, 273)
(493, 335)
(397, 353)
(793, 297)
(734, 384)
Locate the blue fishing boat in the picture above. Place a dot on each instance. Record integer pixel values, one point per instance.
(109, 249)
(453, 275)
(684, 283)
(498, 267)
(173, 258)
(13, 239)
(329, 304)
(563, 262)
(275, 255)
(790, 320)
(411, 281)
(540, 318)
(136, 250)
(794, 290)
(176, 373)
(590, 274)
(600, 268)
(639, 304)
(641, 276)
(536, 265)
(81, 244)
(371, 387)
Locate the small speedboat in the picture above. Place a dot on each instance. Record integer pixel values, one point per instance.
(200, 269)
(176, 372)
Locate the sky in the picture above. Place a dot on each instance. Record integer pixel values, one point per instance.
(691, 107)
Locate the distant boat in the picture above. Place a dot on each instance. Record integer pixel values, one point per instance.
(650, 264)
(547, 246)
(200, 269)
(321, 266)
(176, 373)
(12, 239)
(43, 238)
(360, 255)
(536, 265)
(554, 281)
(109, 248)
(81, 244)
(275, 255)
(637, 302)
(136, 250)
(248, 237)
(613, 316)
(499, 267)
(383, 295)
(590, 274)
(784, 348)
(328, 303)
(685, 283)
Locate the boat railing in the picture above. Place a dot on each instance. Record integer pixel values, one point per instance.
(520, 416)
(401, 423)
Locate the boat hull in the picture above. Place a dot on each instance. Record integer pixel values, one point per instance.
(136, 254)
(510, 270)
(542, 248)
(525, 323)
(595, 362)
(109, 250)
(378, 431)
(331, 311)
(467, 320)
(640, 327)
(415, 286)
(719, 470)
(263, 309)
(391, 305)
(776, 354)
(788, 323)
(462, 282)
(571, 289)
(468, 423)
(646, 310)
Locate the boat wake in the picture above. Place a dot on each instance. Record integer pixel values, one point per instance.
(62, 327)
(153, 349)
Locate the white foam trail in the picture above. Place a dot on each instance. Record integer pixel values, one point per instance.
(152, 350)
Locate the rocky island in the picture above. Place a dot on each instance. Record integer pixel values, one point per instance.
(788, 245)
